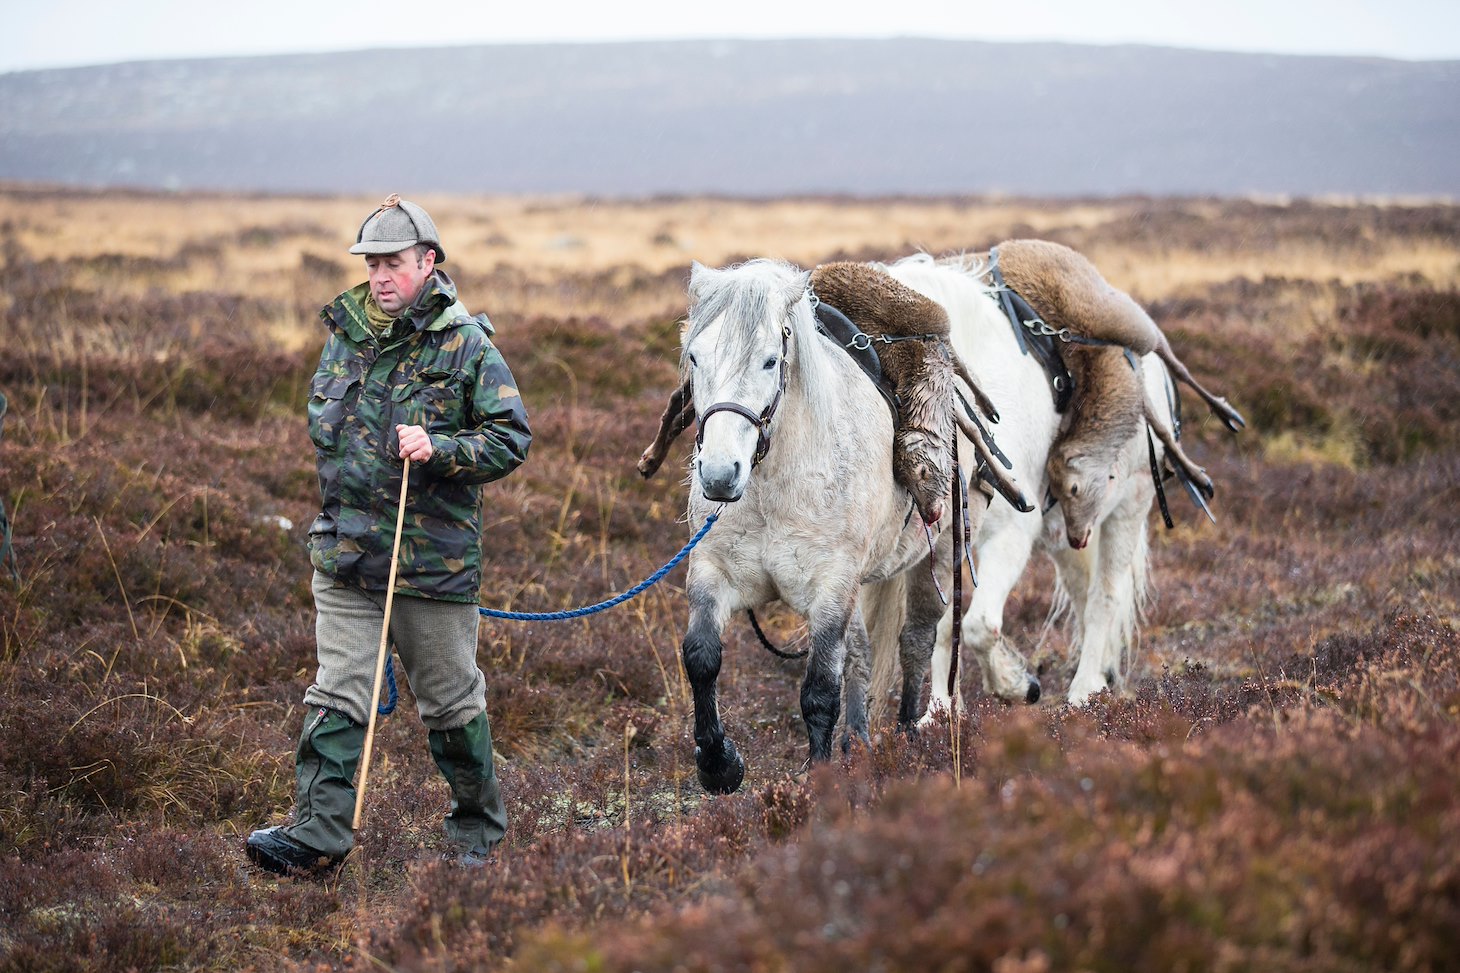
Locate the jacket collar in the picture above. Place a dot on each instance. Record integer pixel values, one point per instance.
(434, 309)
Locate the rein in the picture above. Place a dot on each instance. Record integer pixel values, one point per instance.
(959, 526)
(762, 422)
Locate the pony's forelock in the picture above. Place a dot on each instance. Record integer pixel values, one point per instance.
(750, 296)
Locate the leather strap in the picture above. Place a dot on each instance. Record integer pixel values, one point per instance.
(856, 343)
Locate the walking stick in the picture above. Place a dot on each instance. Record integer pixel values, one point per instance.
(400, 518)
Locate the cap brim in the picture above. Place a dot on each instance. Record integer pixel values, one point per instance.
(382, 246)
(379, 247)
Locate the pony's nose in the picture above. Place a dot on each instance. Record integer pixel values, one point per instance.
(721, 481)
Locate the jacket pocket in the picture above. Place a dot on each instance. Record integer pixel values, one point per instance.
(432, 399)
(328, 397)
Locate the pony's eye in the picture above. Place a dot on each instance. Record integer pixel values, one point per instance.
(693, 363)
(769, 364)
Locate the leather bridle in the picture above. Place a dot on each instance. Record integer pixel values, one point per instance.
(762, 422)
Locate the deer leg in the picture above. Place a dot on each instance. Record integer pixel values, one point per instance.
(995, 470)
(677, 416)
(1177, 455)
(979, 395)
(1230, 416)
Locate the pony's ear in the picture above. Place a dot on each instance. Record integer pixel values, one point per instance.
(797, 287)
(698, 274)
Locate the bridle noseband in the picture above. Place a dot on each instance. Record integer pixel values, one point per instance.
(762, 422)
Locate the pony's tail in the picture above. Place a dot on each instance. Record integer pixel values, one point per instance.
(884, 606)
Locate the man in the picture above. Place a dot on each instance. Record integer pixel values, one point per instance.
(406, 373)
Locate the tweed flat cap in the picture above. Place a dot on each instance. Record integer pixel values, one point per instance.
(396, 225)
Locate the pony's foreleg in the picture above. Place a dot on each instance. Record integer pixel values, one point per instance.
(720, 767)
(1106, 585)
(1076, 569)
(855, 680)
(1124, 555)
(677, 415)
(821, 690)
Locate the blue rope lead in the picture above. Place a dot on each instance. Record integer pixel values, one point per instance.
(388, 707)
(616, 599)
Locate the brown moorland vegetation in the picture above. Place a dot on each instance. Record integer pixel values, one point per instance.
(1278, 789)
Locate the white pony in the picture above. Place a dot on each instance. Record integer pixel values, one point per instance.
(793, 451)
(1103, 585)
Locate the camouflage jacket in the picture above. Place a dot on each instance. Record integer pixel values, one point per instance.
(437, 368)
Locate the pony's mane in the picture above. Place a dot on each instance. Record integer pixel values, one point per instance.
(754, 295)
(969, 264)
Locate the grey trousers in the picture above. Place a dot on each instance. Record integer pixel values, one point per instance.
(436, 641)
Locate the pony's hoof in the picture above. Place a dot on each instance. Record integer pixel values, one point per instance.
(861, 736)
(722, 776)
(1031, 695)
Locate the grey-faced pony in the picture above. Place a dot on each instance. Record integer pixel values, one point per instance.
(793, 451)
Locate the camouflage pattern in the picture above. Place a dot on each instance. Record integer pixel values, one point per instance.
(436, 367)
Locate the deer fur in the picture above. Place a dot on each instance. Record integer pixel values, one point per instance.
(1105, 412)
(1110, 402)
(919, 372)
(1068, 292)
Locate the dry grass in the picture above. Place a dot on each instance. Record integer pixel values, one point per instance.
(1264, 797)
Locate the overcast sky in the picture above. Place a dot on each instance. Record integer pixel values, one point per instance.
(60, 33)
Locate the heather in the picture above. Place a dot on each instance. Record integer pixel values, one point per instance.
(1276, 790)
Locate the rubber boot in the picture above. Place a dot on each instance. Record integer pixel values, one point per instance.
(477, 820)
(324, 772)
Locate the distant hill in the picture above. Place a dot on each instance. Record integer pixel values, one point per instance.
(746, 117)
